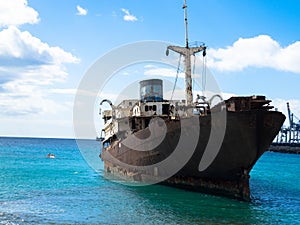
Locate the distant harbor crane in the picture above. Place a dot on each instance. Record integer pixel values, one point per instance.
(288, 138)
(289, 135)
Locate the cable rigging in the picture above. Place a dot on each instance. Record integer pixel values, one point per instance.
(177, 73)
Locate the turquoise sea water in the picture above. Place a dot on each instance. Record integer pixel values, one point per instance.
(65, 190)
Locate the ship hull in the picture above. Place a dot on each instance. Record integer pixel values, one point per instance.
(247, 136)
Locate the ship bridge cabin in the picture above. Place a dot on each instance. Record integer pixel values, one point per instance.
(151, 104)
(133, 115)
(151, 100)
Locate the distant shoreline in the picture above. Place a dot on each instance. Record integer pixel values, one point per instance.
(280, 148)
(54, 138)
(285, 148)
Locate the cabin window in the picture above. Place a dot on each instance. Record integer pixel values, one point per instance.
(150, 108)
(147, 121)
(165, 109)
(133, 124)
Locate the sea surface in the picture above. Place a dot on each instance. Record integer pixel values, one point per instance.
(66, 190)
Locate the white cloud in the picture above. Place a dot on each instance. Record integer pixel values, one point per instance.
(33, 104)
(149, 66)
(165, 72)
(81, 11)
(17, 45)
(128, 17)
(28, 67)
(65, 91)
(30, 59)
(17, 12)
(260, 51)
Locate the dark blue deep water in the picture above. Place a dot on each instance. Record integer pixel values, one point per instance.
(66, 190)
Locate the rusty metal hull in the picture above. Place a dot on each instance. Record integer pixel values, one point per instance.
(248, 135)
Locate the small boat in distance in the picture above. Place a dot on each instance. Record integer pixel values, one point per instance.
(50, 156)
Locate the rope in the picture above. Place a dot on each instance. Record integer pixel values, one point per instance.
(194, 72)
(203, 75)
(178, 68)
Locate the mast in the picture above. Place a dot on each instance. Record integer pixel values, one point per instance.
(187, 52)
(186, 25)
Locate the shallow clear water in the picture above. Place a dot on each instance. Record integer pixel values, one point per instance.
(65, 190)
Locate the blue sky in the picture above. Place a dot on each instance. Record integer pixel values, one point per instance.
(46, 46)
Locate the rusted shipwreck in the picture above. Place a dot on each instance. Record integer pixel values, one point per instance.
(140, 136)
